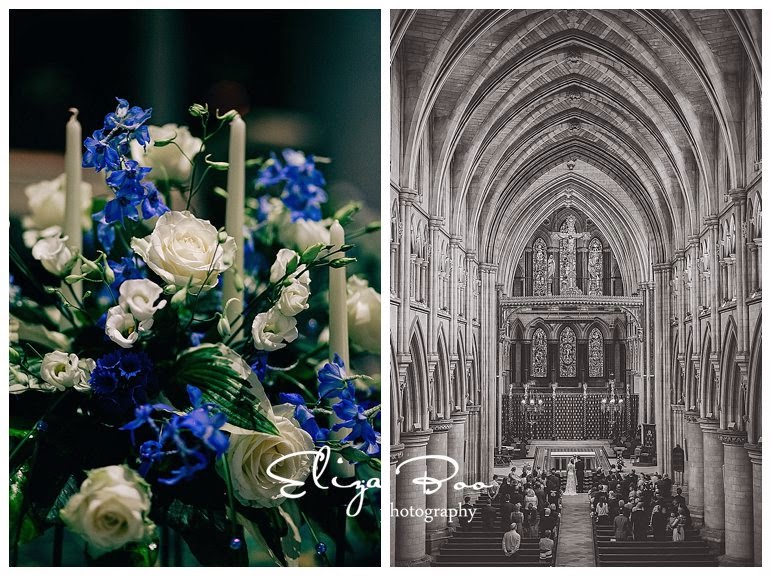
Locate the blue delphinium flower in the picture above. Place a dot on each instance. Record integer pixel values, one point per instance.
(332, 378)
(126, 269)
(260, 366)
(106, 146)
(121, 381)
(303, 192)
(181, 444)
(354, 417)
(305, 417)
(152, 204)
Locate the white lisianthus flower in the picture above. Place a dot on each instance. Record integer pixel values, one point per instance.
(46, 201)
(139, 296)
(111, 509)
(278, 268)
(294, 298)
(122, 328)
(363, 314)
(271, 329)
(185, 251)
(54, 254)
(303, 234)
(251, 453)
(168, 162)
(62, 371)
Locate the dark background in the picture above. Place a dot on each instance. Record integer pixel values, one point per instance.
(307, 79)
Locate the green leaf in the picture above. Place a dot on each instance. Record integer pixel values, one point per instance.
(22, 522)
(271, 526)
(70, 488)
(206, 531)
(251, 162)
(291, 266)
(166, 142)
(220, 374)
(345, 214)
(311, 253)
(221, 192)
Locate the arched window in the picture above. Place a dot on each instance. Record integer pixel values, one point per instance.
(568, 353)
(539, 267)
(538, 354)
(596, 354)
(595, 267)
(568, 236)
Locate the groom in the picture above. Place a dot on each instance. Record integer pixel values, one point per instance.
(579, 474)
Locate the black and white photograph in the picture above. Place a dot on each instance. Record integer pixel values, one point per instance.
(575, 288)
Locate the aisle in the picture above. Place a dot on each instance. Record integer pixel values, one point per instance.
(575, 547)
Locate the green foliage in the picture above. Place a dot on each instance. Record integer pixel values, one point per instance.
(220, 374)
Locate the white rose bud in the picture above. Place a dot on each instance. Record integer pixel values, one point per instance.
(294, 298)
(304, 233)
(363, 314)
(139, 296)
(250, 454)
(54, 255)
(278, 268)
(122, 328)
(111, 509)
(46, 201)
(271, 329)
(183, 249)
(62, 371)
(168, 162)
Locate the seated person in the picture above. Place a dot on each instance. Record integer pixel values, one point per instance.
(488, 516)
(466, 518)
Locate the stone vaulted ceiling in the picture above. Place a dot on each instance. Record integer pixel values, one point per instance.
(621, 114)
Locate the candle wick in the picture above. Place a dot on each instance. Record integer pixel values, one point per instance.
(74, 112)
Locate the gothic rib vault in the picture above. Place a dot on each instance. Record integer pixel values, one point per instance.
(646, 125)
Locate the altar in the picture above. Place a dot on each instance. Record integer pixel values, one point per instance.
(566, 415)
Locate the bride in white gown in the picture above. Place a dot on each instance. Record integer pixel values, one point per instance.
(570, 487)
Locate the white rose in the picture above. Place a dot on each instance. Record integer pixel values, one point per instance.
(250, 454)
(304, 233)
(139, 296)
(364, 311)
(270, 329)
(294, 298)
(122, 328)
(183, 249)
(54, 255)
(62, 371)
(278, 268)
(111, 509)
(46, 201)
(168, 162)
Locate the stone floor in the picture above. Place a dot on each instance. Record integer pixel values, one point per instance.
(575, 547)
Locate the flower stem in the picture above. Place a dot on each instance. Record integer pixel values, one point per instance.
(29, 434)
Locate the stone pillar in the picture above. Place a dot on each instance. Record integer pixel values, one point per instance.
(695, 450)
(411, 537)
(714, 488)
(759, 264)
(456, 440)
(396, 452)
(754, 452)
(737, 471)
(437, 532)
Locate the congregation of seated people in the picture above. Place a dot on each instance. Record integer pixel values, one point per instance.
(639, 506)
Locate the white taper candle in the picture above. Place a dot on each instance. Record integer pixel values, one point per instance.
(73, 205)
(234, 214)
(338, 302)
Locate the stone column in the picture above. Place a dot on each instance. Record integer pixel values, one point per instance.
(737, 472)
(759, 264)
(695, 451)
(456, 440)
(754, 451)
(437, 532)
(714, 488)
(411, 533)
(396, 452)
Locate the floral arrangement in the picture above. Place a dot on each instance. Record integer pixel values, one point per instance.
(144, 400)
